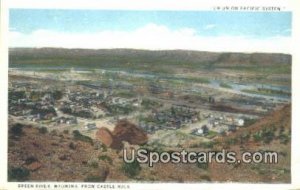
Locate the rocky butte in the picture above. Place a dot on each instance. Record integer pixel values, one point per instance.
(123, 131)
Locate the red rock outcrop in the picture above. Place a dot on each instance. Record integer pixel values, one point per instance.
(124, 131)
(105, 136)
(34, 166)
(127, 131)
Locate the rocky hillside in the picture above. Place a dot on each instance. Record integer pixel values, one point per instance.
(34, 154)
(271, 133)
(37, 155)
(277, 122)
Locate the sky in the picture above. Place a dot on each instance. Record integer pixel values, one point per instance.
(193, 30)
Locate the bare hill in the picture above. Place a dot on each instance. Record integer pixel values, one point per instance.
(119, 56)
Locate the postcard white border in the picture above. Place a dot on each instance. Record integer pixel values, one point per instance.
(290, 5)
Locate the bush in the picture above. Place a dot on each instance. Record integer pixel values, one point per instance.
(54, 132)
(281, 130)
(205, 178)
(76, 133)
(268, 135)
(106, 158)
(43, 130)
(104, 148)
(207, 145)
(72, 146)
(284, 139)
(257, 136)
(131, 169)
(30, 160)
(94, 164)
(202, 165)
(18, 174)
(231, 141)
(57, 95)
(248, 122)
(78, 136)
(244, 137)
(17, 129)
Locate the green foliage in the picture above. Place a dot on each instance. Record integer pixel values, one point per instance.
(131, 169)
(208, 144)
(224, 85)
(211, 134)
(18, 174)
(266, 135)
(72, 146)
(205, 177)
(283, 138)
(78, 136)
(197, 80)
(120, 109)
(268, 92)
(41, 111)
(245, 137)
(104, 148)
(43, 130)
(106, 158)
(257, 136)
(202, 165)
(54, 132)
(248, 122)
(30, 160)
(148, 104)
(94, 164)
(281, 130)
(17, 129)
(57, 95)
(76, 133)
(16, 95)
(231, 141)
(126, 94)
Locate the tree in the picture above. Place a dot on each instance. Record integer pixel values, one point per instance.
(17, 129)
(18, 174)
(43, 130)
(131, 169)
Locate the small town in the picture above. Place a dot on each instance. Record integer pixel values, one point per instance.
(87, 107)
(148, 94)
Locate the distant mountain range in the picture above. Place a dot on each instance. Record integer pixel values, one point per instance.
(144, 59)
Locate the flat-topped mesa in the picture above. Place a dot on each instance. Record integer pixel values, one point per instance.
(118, 57)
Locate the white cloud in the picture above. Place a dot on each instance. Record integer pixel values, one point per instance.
(152, 37)
(210, 26)
(12, 29)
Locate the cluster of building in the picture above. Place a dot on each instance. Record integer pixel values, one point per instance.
(173, 118)
(65, 120)
(33, 105)
(220, 123)
(136, 102)
(63, 107)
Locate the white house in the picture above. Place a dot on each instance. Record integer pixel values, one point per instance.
(240, 122)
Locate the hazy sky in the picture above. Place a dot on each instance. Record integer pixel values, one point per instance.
(198, 30)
